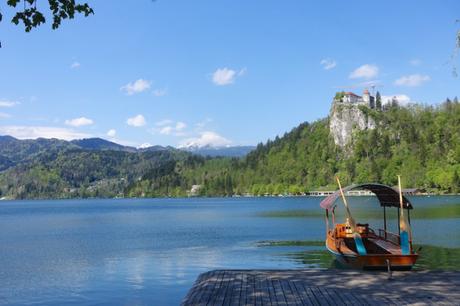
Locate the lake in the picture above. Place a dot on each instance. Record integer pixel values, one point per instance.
(150, 251)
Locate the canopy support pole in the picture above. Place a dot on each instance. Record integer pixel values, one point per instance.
(385, 221)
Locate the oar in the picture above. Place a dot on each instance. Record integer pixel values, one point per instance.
(404, 227)
(356, 236)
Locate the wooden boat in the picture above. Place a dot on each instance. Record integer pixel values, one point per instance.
(359, 246)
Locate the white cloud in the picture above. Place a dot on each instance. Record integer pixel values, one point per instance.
(166, 130)
(111, 133)
(204, 123)
(75, 65)
(226, 76)
(160, 92)
(207, 138)
(366, 71)
(4, 115)
(415, 62)
(401, 98)
(412, 80)
(328, 63)
(136, 87)
(33, 132)
(168, 127)
(180, 126)
(144, 145)
(76, 122)
(136, 121)
(7, 103)
(164, 122)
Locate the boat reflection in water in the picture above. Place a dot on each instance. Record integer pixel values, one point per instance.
(359, 246)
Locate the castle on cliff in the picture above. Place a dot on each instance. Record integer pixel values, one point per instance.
(352, 98)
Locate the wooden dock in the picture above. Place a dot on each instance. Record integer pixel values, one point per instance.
(324, 287)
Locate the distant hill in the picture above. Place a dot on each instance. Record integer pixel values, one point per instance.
(72, 171)
(155, 149)
(422, 143)
(235, 151)
(101, 144)
(14, 151)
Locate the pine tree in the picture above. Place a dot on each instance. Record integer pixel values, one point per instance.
(378, 101)
(456, 183)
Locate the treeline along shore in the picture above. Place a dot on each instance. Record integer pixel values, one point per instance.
(420, 142)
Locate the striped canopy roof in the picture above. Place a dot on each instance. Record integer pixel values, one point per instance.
(387, 196)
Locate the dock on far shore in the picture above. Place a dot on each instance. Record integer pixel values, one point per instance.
(324, 287)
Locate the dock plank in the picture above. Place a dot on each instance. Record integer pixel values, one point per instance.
(324, 287)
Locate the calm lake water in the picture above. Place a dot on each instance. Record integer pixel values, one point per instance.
(150, 251)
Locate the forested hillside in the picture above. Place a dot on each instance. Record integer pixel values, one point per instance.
(422, 143)
(75, 172)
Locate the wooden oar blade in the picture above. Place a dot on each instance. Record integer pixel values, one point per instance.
(356, 236)
(405, 244)
(403, 225)
(359, 244)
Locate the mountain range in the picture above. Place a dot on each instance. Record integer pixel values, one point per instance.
(14, 151)
(422, 143)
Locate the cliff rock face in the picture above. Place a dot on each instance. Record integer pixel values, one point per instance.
(346, 118)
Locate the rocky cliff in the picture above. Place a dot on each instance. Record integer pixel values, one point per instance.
(345, 119)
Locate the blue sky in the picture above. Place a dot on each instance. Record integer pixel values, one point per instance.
(218, 72)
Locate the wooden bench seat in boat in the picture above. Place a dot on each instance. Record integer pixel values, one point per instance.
(387, 245)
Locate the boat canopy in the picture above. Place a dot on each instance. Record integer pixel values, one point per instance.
(388, 196)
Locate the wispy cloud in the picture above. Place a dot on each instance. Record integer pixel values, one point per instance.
(8, 103)
(136, 121)
(168, 127)
(415, 62)
(166, 130)
(144, 145)
(76, 122)
(163, 122)
(207, 138)
(160, 92)
(135, 87)
(401, 98)
(4, 115)
(180, 126)
(204, 123)
(33, 132)
(112, 133)
(75, 65)
(226, 76)
(366, 71)
(328, 63)
(412, 80)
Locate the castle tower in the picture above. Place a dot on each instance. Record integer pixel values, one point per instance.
(366, 96)
(368, 99)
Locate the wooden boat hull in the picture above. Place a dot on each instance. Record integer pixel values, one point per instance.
(374, 261)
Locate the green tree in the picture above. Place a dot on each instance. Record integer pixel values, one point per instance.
(27, 13)
(378, 101)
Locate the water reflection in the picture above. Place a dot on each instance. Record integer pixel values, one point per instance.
(315, 255)
(150, 251)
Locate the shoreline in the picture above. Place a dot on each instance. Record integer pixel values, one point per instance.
(5, 199)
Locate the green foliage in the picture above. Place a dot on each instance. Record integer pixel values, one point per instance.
(378, 101)
(31, 17)
(420, 143)
(339, 95)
